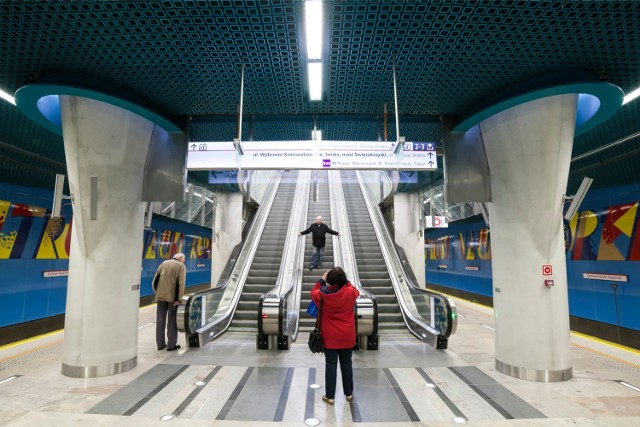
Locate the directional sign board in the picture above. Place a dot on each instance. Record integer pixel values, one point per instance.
(311, 155)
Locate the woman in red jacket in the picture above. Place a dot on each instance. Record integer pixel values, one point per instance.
(338, 327)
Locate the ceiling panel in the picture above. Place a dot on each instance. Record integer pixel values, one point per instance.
(185, 57)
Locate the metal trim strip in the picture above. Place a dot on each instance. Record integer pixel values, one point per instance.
(538, 375)
(99, 371)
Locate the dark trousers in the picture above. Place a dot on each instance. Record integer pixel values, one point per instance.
(331, 370)
(166, 317)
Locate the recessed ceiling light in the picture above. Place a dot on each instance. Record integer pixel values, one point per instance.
(313, 28)
(315, 81)
(9, 98)
(626, 384)
(631, 96)
(6, 380)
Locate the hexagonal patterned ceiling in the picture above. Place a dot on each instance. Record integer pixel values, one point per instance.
(185, 57)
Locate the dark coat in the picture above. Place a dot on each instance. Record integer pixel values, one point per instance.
(318, 233)
(338, 322)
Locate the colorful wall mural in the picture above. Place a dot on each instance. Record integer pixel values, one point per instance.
(34, 254)
(602, 243)
(609, 234)
(29, 232)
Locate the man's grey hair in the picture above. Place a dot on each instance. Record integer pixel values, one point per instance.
(179, 257)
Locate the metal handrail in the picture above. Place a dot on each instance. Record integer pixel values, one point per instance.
(200, 315)
(416, 323)
(344, 256)
(279, 308)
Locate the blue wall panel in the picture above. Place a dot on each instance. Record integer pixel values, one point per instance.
(603, 238)
(31, 244)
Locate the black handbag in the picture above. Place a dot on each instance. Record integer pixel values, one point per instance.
(315, 337)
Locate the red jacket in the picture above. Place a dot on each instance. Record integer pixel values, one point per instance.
(338, 323)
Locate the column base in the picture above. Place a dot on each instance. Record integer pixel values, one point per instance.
(537, 375)
(99, 371)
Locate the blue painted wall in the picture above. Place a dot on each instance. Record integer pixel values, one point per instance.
(602, 238)
(32, 246)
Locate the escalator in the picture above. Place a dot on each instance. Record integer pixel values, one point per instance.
(372, 269)
(264, 291)
(282, 311)
(318, 206)
(266, 261)
(428, 316)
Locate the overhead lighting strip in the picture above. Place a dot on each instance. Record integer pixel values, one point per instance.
(631, 96)
(626, 384)
(313, 31)
(11, 378)
(313, 28)
(315, 81)
(9, 98)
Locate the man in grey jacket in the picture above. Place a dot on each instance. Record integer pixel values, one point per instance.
(168, 285)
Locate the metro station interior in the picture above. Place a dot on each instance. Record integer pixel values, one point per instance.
(479, 160)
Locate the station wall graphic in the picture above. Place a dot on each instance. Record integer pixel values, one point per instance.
(34, 253)
(602, 245)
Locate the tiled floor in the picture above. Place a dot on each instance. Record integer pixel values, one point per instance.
(230, 383)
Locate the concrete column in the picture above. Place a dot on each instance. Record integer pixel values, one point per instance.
(529, 153)
(105, 149)
(228, 232)
(406, 230)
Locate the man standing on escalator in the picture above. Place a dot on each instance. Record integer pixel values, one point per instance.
(318, 230)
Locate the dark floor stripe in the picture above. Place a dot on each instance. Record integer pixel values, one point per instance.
(311, 395)
(282, 403)
(155, 391)
(452, 406)
(482, 394)
(356, 417)
(195, 392)
(403, 399)
(234, 395)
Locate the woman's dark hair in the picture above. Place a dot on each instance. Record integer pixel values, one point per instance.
(337, 277)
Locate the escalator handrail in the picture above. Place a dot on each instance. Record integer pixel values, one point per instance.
(344, 256)
(290, 277)
(239, 272)
(390, 254)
